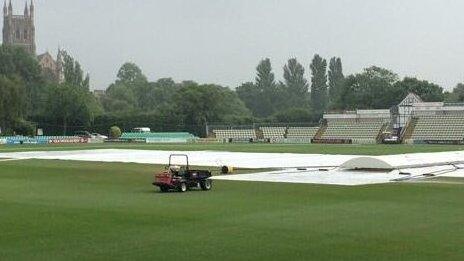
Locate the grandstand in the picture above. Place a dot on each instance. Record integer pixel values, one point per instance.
(273, 132)
(439, 128)
(235, 134)
(302, 132)
(362, 126)
(284, 134)
(435, 122)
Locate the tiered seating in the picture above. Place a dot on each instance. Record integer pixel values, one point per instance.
(357, 130)
(235, 134)
(157, 136)
(273, 132)
(302, 132)
(439, 128)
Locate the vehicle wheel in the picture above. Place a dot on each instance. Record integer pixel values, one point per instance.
(164, 189)
(182, 187)
(206, 184)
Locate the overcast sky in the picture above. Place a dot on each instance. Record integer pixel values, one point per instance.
(221, 41)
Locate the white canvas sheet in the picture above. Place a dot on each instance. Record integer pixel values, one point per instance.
(405, 160)
(198, 158)
(286, 162)
(332, 177)
(339, 176)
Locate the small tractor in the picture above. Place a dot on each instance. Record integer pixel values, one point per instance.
(182, 178)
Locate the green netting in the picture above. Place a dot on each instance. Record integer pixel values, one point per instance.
(157, 135)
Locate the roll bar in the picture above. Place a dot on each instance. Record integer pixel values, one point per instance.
(179, 155)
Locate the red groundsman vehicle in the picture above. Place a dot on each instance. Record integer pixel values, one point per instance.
(182, 178)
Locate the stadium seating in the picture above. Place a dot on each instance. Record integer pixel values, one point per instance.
(302, 132)
(241, 134)
(273, 132)
(439, 128)
(357, 130)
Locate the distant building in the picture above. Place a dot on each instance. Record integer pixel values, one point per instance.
(99, 93)
(19, 30)
(51, 67)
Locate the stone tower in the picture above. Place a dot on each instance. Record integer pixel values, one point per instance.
(19, 30)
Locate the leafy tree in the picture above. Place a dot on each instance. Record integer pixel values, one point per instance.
(458, 91)
(73, 73)
(293, 115)
(296, 83)
(249, 94)
(130, 91)
(11, 102)
(261, 97)
(115, 132)
(429, 92)
(160, 94)
(266, 85)
(201, 104)
(16, 63)
(131, 74)
(25, 128)
(71, 106)
(371, 89)
(319, 97)
(336, 80)
(119, 98)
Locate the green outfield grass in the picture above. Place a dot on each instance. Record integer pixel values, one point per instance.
(56, 210)
(284, 148)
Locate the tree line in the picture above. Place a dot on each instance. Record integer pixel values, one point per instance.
(30, 97)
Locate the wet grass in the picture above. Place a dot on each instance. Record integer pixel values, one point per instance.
(60, 210)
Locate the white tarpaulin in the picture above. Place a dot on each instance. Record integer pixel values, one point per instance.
(198, 158)
(319, 169)
(405, 160)
(343, 177)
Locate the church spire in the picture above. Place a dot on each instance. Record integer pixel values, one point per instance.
(5, 10)
(10, 8)
(26, 10)
(32, 9)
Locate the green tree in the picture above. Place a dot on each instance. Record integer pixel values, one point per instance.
(160, 93)
(12, 102)
(249, 94)
(16, 63)
(429, 92)
(130, 74)
(130, 91)
(73, 73)
(319, 97)
(459, 92)
(71, 106)
(336, 80)
(266, 85)
(201, 104)
(261, 97)
(457, 95)
(119, 98)
(292, 115)
(371, 89)
(296, 84)
(115, 132)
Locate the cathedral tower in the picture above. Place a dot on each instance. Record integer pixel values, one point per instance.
(19, 30)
